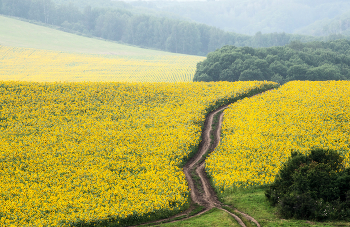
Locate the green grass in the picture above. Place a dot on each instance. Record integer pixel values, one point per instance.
(213, 218)
(253, 202)
(19, 33)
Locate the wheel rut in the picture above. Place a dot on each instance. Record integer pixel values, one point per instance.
(201, 191)
(207, 197)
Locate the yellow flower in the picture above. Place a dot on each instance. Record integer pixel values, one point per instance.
(259, 133)
(87, 151)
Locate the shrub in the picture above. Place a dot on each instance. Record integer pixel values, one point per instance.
(314, 186)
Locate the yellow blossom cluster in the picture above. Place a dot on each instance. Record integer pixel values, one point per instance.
(24, 64)
(86, 151)
(260, 132)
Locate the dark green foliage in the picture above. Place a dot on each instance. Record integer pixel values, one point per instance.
(315, 61)
(251, 74)
(297, 72)
(204, 77)
(314, 186)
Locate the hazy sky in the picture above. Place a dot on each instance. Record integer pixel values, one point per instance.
(167, 0)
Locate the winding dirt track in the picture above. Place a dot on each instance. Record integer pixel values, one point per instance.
(205, 195)
(202, 193)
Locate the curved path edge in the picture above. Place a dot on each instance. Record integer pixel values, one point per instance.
(202, 193)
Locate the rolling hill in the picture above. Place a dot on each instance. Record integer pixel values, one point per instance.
(32, 52)
(19, 33)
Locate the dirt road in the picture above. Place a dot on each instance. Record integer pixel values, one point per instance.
(202, 193)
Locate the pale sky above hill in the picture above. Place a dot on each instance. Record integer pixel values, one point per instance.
(170, 0)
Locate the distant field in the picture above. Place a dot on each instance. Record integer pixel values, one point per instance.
(61, 56)
(22, 64)
(23, 34)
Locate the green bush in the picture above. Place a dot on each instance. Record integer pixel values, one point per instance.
(314, 186)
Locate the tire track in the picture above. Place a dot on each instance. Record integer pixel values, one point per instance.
(202, 193)
(209, 198)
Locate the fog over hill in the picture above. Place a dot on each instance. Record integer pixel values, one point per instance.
(190, 27)
(309, 17)
(251, 16)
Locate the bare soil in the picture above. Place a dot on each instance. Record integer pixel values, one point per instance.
(202, 192)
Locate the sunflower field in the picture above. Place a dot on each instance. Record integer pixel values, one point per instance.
(259, 133)
(25, 64)
(88, 152)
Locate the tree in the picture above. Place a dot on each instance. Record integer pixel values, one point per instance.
(203, 77)
(278, 68)
(90, 17)
(296, 45)
(250, 74)
(69, 13)
(314, 61)
(277, 78)
(110, 25)
(297, 72)
(172, 42)
(226, 59)
(227, 75)
(17, 8)
(214, 71)
(36, 11)
(263, 66)
(314, 186)
(324, 72)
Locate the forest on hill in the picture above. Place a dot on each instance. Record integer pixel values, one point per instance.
(337, 25)
(119, 21)
(251, 16)
(315, 61)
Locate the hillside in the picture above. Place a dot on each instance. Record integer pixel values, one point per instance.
(339, 25)
(251, 16)
(35, 53)
(146, 30)
(23, 34)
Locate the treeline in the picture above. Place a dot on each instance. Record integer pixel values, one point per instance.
(139, 29)
(314, 61)
(251, 16)
(337, 25)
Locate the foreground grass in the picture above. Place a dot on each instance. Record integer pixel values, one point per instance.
(253, 202)
(214, 218)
